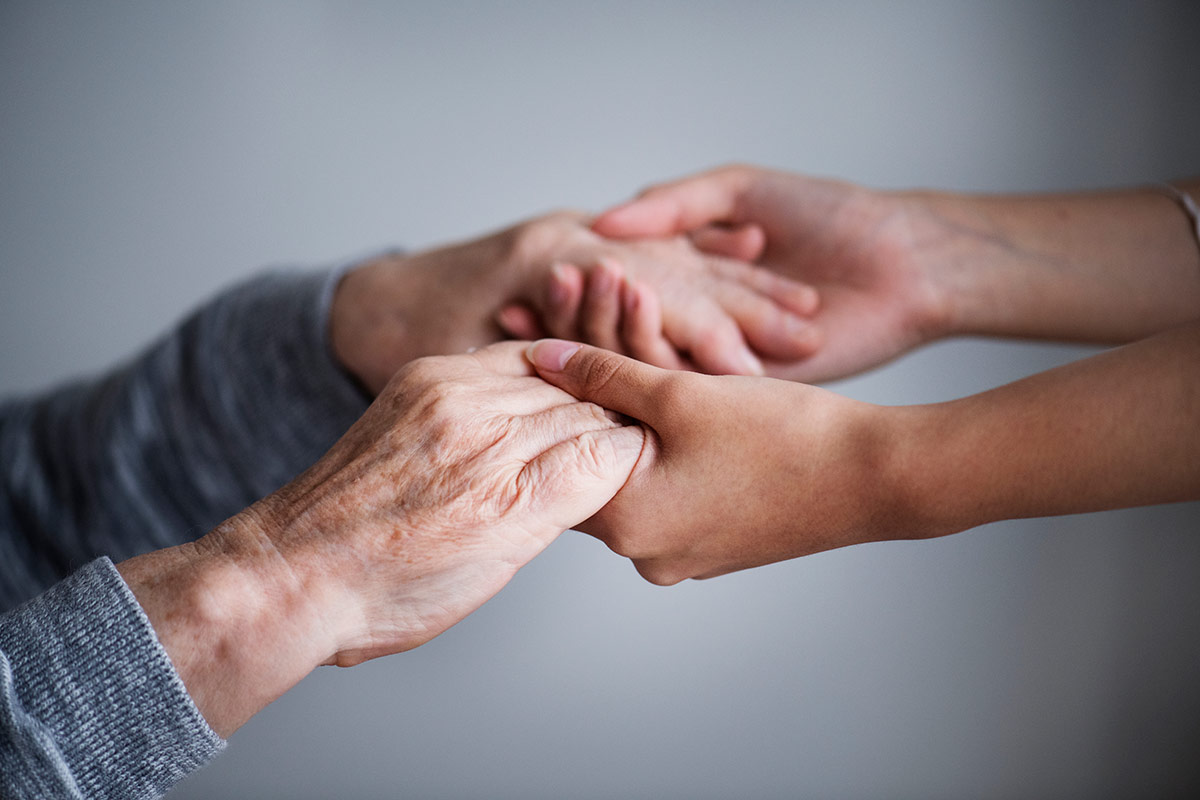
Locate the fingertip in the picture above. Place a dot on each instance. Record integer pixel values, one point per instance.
(649, 215)
(805, 336)
(551, 355)
(605, 277)
(630, 299)
(807, 299)
(749, 362)
(566, 283)
(755, 240)
(728, 358)
(518, 322)
(798, 298)
(614, 221)
(740, 243)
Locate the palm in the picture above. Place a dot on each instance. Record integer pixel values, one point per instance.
(851, 246)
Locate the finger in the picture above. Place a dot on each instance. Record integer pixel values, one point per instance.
(601, 376)
(677, 207)
(599, 316)
(501, 358)
(771, 330)
(564, 294)
(520, 322)
(642, 327)
(793, 295)
(741, 242)
(713, 340)
(574, 479)
(531, 434)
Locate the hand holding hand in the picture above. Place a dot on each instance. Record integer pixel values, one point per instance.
(462, 470)
(397, 308)
(738, 472)
(855, 246)
(667, 303)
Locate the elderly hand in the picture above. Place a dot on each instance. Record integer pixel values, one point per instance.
(397, 308)
(463, 470)
(857, 247)
(668, 304)
(739, 471)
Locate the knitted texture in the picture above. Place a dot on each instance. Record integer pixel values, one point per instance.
(90, 705)
(222, 411)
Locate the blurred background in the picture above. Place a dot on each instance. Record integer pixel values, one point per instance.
(153, 153)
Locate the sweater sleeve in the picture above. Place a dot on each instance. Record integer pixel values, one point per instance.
(220, 412)
(90, 706)
(225, 409)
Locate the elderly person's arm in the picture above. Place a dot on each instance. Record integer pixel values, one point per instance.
(218, 413)
(749, 471)
(463, 470)
(260, 381)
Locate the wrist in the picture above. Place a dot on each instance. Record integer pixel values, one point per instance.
(914, 475)
(942, 243)
(241, 627)
(369, 319)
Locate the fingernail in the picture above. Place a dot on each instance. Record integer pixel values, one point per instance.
(795, 326)
(558, 284)
(602, 278)
(629, 295)
(811, 300)
(801, 332)
(614, 267)
(551, 354)
(750, 362)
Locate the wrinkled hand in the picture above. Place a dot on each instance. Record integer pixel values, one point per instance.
(738, 472)
(669, 304)
(857, 247)
(461, 471)
(397, 308)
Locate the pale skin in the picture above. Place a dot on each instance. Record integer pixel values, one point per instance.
(414, 518)
(462, 470)
(745, 472)
(722, 313)
(895, 270)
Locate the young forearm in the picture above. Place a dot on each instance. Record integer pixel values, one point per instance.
(1101, 266)
(1116, 430)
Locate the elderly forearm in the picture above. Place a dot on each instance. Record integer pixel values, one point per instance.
(228, 407)
(1116, 430)
(1109, 266)
(239, 626)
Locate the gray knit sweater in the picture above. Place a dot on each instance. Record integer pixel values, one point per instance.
(223, 410)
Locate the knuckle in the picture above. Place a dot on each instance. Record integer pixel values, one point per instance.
(538, 239)
(660, 573)
(673, 394)
(600, 371)
(419, 373)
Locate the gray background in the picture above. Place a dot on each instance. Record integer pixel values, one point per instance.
(152, 153)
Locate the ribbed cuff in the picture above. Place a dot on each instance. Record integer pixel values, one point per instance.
(97, 700)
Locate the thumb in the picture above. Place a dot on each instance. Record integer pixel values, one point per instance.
(598, 376)
(674, 208)
(576, 478)
(744, 242)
